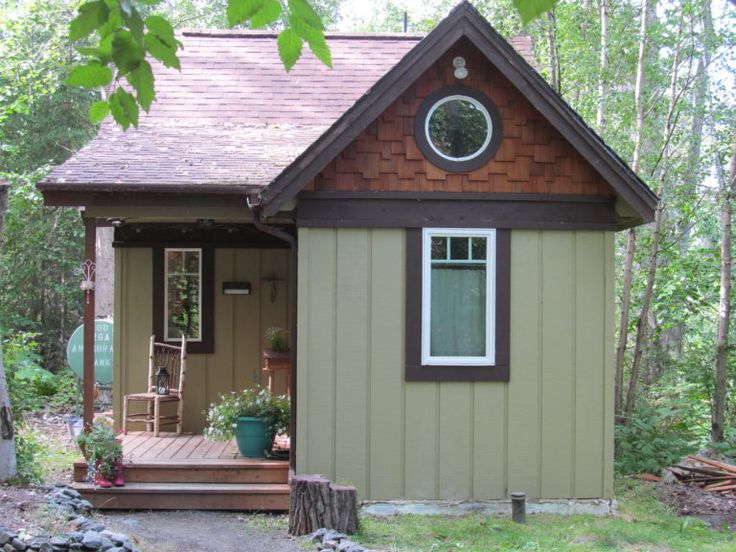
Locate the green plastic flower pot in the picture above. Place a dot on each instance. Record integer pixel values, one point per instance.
(253, 436)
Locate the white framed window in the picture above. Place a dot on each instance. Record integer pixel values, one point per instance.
(183, 293)
(458, 296)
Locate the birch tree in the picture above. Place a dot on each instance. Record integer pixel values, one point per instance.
(8, 465)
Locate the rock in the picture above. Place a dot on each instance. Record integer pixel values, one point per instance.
(6, 536)
(85, 505)
(18, 544)
(117, 538)
(318, 535)
(106, 543)
(61, 540)
(41, 543)
(75, 536)
(92, 539)
(72, 493)
(331, 535)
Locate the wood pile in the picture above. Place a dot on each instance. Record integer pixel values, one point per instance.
(710, 475)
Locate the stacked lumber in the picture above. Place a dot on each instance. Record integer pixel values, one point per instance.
(710, 475)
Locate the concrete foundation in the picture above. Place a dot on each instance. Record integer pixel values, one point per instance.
(596, 507)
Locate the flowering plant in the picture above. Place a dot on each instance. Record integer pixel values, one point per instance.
(253, 403)
(102, 450)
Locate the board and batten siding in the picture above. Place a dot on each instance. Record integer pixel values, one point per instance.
(240, 323)
(549, 431)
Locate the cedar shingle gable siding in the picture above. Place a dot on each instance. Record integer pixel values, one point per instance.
(533, 156)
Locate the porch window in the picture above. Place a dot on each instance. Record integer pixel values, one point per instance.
(458, 294)
(183, 296)
(183, 283)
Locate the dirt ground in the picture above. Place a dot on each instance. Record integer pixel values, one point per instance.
(186, 531)
(717, 510)
(18, 506)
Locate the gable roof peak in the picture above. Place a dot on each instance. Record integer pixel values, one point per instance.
(464, 21)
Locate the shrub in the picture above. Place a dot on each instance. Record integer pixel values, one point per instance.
(28, 450)
(278, 339)
(222, 416)
(656, 437)
(102, 450)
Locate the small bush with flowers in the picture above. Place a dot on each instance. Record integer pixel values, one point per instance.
(102, 449)
(253, 403)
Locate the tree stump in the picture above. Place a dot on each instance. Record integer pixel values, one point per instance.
(314, 503)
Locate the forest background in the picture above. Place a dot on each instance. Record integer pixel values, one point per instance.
(655, 79)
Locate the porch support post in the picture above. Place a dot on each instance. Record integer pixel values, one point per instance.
(88, 381)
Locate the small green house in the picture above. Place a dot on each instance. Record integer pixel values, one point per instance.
(429, 219)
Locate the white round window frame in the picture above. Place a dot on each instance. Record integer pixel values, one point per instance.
(479, 106)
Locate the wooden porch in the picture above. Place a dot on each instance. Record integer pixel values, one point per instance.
(188, 472)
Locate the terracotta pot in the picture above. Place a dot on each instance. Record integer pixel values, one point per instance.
(275, 360)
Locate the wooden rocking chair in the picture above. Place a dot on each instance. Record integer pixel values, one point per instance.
(174, 359)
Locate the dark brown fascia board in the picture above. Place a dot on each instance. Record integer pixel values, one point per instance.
(362, 113)
(155, 187)
(464, 20)
(183, 197)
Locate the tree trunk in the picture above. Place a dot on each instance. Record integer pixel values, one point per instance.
(642, 322)
(8, 465)
(631, 235)
(600, 116)
(724, 311)
(623, 328)
(554, 56)
(315, 503)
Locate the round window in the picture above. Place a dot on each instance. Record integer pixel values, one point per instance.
(458, 129)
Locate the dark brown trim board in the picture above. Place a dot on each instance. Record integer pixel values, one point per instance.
(414, 370)
(207, 345)
(463, 21)
(151, 197)
(460, 210)
(213, 234)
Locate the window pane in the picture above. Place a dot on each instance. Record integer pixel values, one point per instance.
(458, 311)
(439, 248)
(459, 249)
(479, 249)
(183, 294)
(458, 128)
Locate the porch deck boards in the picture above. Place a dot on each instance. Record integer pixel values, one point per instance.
(143, 446)
(190, 472)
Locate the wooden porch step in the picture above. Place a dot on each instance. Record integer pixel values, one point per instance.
(188, 496)
(199, 471)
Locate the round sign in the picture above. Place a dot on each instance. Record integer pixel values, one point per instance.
(103, 351)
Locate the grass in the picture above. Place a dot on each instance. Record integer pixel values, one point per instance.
(642, 524)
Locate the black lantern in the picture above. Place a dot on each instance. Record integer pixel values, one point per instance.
(162, 381)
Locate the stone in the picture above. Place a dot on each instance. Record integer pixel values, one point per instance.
(333, 536)
(60, 540)
(18, 544)
(85, 505)
(92, 539)
(72, 493)
(106, 544)
(117, 538)
(318, 535)
(76, 546)
(75, 536)
(6, 536)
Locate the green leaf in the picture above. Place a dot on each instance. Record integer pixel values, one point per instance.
(134, 21)
(142, 81)
(529, 10)
(314, 37)
(161, 27)
(126, 53)
(259, 12)
(124, 108)
(290, 47)
(113, 23)
(91, 75)
(98, 111)
(303, 10)
(162, 51)
(91, 16)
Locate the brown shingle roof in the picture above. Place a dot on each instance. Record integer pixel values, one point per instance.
(233, 116)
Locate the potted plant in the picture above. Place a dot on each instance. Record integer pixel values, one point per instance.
(277, 355)
(254, 417)
(104, 455)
